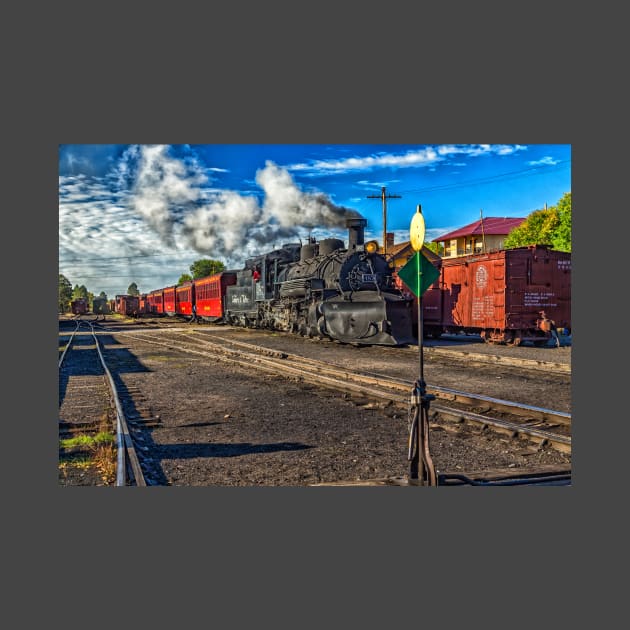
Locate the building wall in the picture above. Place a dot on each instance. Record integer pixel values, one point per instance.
(465, 246)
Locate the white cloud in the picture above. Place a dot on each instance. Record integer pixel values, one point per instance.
(427, 156)
(546, 161)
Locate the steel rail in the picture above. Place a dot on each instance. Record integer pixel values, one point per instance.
(123, 437)
(498, 404)
(63, 354)
(562, 443)
(493, 359)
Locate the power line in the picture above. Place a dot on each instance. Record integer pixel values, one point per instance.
(486, 180)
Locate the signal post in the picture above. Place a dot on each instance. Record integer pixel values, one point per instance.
(419, 274)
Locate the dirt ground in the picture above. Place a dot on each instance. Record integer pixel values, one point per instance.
(227, 426)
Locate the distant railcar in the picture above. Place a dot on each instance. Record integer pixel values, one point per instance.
(100, 306)
(128, 305)
(210, 294)
(155, 301)
(79, 306)
(143, 304)
(169, 301)
(508, 296)
(184, 299)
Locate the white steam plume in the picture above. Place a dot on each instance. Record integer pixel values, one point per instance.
(162, 187)
(291, 207)
(167, 193)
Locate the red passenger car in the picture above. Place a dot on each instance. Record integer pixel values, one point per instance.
(184, 298)
(169, 301)
(155, 301)
(143, 306)
(508, 296)
(210, 294)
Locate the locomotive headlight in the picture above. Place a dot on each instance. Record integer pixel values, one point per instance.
(371, 247)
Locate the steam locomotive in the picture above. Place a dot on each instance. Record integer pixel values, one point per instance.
(323, 289)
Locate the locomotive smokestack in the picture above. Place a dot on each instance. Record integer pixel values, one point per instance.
(356, 227)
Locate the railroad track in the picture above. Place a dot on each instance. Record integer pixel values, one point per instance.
(498, 415)
(90, 411)
(554, 367)
(494, 359)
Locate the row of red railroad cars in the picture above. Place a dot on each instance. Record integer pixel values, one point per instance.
(205, 295)
(506, 296)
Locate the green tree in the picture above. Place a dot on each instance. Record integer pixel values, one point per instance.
(103, 295)
(132, 289)
(205, 267)
(65, 293)
(436, 248)
(79, 292)
(185, 277)
(550, 226)
(562, 235)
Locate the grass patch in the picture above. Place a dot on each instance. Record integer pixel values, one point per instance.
(75, 460)
(90, 452)
(87, 441)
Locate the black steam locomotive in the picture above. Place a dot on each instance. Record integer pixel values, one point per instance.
(322, 289)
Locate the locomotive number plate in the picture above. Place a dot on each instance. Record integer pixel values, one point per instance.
(369, 277)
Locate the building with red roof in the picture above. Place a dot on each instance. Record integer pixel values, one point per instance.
(484, 235)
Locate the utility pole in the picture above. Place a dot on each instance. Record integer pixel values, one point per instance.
(384, 197)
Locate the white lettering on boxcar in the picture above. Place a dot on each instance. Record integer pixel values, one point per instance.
(545, 299)
(481, 276)
(482, 307)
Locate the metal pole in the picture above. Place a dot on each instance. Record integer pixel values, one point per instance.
(383, 198)
(420, 385)
(421, 470)
(420, 333)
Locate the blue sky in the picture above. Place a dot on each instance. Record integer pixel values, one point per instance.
(144, 213)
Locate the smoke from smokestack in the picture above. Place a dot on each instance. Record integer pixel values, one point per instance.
(167, 192)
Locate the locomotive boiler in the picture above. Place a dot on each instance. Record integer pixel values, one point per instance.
(323, 289)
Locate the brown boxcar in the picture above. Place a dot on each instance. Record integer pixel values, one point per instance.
(155, 301)
(79, 306)
(184, 298)
(169, 301)
(508, 296)
(210, 294)
(100, 306)
(127, 305)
